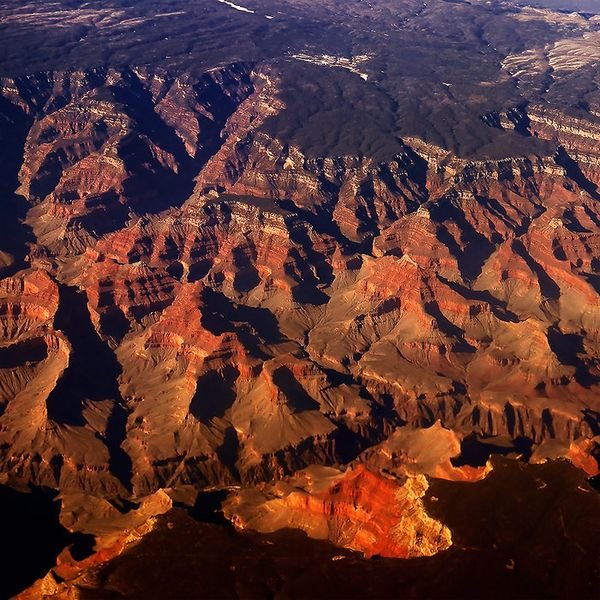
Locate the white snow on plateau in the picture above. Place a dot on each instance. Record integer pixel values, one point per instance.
(241, 8)
(236, 6)
(326, 60)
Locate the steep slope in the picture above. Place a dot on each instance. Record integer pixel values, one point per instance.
(254, 310)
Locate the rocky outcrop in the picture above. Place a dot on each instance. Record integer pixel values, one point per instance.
(251, 309)
(360, 510)
(54, 424)
(326, 261)
(430, 451)
(109, 143)
(112, 531)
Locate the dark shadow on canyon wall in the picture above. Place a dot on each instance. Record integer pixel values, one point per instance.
(32, 538)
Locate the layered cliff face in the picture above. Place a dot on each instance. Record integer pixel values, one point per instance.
(357, 510)
(102, 532)
(302, 268)
(51, 432)
(523, 554)
(109, 143)
(208, 304)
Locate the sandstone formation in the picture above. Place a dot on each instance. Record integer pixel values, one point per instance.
(430, 451)
(322, 260)
(113, 532)
(253, 309)
(357, 509)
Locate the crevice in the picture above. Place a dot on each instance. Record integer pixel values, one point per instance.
(90, 376)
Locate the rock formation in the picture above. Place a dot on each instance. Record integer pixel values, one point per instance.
(254, 310)
(259, 244)
(358, 509)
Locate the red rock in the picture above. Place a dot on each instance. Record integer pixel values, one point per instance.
(360, 510)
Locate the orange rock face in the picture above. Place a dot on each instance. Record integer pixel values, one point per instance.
(360, 510)
(312, 260)
(205, 303)
(113, 532)
(33, 354)
(583, 454)
(428, 451)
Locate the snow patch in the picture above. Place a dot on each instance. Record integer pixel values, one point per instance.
(342, 62)
(236, 6)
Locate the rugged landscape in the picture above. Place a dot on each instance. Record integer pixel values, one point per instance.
(281, 267)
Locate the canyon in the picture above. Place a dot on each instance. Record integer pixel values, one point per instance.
(274, 277)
